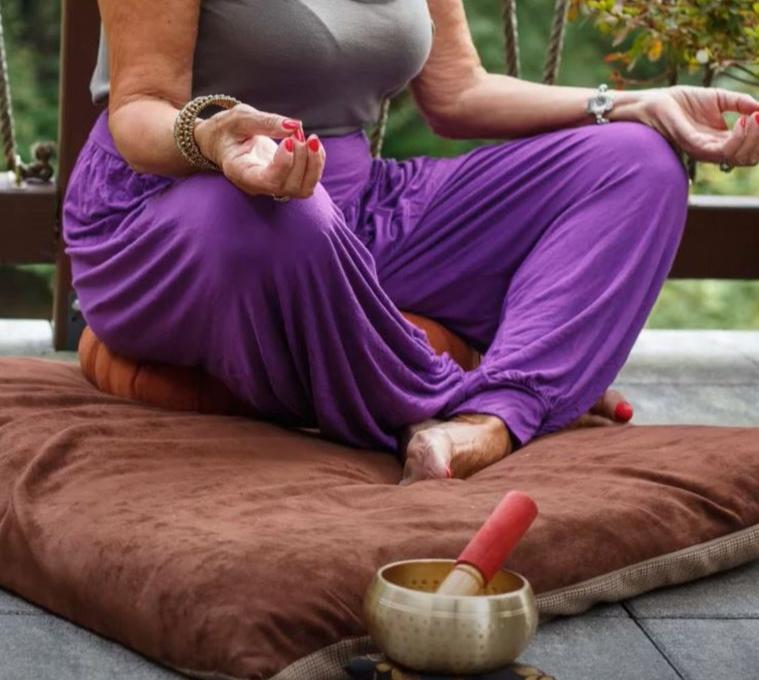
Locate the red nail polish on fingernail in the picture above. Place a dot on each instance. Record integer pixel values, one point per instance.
(623, 412)
(299, 135)
(289, 144)
(313, 144)
(290, 124)
(756, 117)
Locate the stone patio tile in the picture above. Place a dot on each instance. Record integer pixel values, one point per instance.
(11, 604)
(682, 356)
(733, 405)
(732, 594)
(49, 648)
(744, 342)
(25, 336)
(608, 610)
(705, 649)
(586, 648)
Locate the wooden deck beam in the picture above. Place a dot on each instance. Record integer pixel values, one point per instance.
(27, 222)
(721, 239)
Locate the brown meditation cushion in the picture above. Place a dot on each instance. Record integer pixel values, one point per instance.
(230, 547)
(191, 389)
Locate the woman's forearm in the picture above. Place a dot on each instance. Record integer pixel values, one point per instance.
(143, 131)
(150, 55)
(499, 106)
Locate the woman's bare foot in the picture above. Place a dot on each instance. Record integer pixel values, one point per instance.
(436, 449)
(455, 448)
(428, 456)
(411, 430)
(611, 409)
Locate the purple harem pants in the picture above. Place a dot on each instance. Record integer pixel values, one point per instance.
(546, 253)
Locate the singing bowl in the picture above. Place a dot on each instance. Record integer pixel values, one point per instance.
(433, 633)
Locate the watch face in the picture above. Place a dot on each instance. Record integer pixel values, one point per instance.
(599, 104)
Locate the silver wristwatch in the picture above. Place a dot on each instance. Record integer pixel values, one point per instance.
(600, 104)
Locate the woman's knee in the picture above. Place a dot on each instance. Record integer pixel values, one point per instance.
(643, 155)
(649, 180)
(238, 234)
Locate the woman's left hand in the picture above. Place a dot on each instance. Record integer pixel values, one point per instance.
(692, 118)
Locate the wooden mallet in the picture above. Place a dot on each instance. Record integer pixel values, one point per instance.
(485, 554)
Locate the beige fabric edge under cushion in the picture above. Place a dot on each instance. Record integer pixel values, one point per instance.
(671, 569)
(674, 568)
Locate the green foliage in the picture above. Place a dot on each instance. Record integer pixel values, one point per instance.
(707, 304)
(707, 36)
(696, 40)
(31, 35)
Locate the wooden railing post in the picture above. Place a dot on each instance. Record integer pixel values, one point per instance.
(80, 22)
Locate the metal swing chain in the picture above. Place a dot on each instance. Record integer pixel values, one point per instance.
(511, 38)
(378, 133)
(40, 169)
(556, 42)
(7, 132)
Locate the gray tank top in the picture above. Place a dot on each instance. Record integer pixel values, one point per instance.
(327, 62)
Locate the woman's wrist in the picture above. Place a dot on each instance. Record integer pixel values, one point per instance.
(205, 136)
(631, 105)
(198, 140)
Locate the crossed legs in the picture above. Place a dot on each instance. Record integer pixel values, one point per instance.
(548, 253)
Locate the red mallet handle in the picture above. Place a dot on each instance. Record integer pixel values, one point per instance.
(491, 545)
(497, 538)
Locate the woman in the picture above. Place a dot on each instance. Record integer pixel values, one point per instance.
(263, 243)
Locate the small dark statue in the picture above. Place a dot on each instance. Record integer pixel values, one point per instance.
(41, 168)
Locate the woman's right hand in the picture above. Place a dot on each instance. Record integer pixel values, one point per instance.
(241, 141)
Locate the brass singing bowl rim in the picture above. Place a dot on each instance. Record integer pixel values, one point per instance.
(425, 631)
(516, 593)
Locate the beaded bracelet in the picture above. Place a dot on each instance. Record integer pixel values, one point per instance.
(184, 128)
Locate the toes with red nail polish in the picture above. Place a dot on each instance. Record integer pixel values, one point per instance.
(314, 144)
(623, 412)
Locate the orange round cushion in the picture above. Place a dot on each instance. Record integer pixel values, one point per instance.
(192, 389)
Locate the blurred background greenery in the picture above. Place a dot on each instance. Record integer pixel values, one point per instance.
(31, 28)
